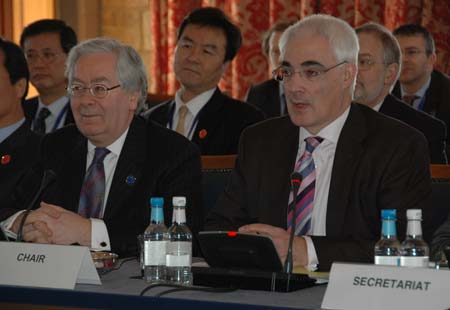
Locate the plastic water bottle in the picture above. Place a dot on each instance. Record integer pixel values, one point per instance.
(387, 249)
(155, 243)
(179, 250)
(414, 251)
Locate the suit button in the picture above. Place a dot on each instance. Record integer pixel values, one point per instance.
(103, 244)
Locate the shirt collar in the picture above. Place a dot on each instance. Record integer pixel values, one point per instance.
(56, 106)
(377, 107)
(7, 131)
(331, 132)
(195, 104)
(115, 147)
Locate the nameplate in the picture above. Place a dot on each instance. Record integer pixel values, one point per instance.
(360, 286)
(46, 265)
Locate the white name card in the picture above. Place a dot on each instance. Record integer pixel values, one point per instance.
(46, 265)
(359, 286)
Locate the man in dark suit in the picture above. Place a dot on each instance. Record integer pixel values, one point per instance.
(426, 89)
(352, 161)
(378, 69)
(207, 43)
(17, 142)
(268, 95)
(112, 162)
(46, 44)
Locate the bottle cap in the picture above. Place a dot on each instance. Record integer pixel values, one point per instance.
(388, 214)
(156, 202)
(414, 214)
(179, 201)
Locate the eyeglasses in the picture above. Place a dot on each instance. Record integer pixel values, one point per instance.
(367, 63)
(311, 73)
(47, 57)
(96, 90)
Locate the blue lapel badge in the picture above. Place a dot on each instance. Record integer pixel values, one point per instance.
(130, 180)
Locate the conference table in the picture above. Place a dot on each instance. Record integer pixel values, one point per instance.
(121, 289)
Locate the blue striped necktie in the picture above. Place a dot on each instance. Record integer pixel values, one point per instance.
(93, 190)
(305, 198)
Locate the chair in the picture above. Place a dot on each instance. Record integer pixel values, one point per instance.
(440, 197)
(215, 173)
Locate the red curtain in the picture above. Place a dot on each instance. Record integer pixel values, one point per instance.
(254, 17)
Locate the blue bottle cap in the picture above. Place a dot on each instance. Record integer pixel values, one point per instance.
(389, 214)
(157, 202)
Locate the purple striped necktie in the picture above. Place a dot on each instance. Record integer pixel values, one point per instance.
(305, 199)
(93, 190)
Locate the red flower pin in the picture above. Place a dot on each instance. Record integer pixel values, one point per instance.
(5, 159)
(202, 134)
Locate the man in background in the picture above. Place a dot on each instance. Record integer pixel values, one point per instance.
(207, 43)
(419, 84)
(269, 95)
(352, 161)
(379, 63)
(18, 144)
(46, 44)
(111, 163)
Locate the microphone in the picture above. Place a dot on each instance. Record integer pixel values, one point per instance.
(296, 180)
(48, 178)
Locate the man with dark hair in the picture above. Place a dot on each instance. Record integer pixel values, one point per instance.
(269, 95)
(46, 44)
(18, 143)
(419, 85)
(352, 161)
(207, 43)
(109, 165)
(379, 63)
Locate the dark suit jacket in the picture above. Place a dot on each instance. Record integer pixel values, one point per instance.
(30, 107)
(437, 102)
(266, 96)
(222, 119)
(432, 128)
(21, 147)
(164, 164)
(379, 163)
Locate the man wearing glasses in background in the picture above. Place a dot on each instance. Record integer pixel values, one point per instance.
(352, 161)
(379, 63)
(109, 165)
(419, 85)
(46, 44)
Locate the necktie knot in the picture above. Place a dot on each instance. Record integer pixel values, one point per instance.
(409, 99)
(312, 143)
(44, 113)
(100, 154)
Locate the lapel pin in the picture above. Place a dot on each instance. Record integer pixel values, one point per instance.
(130, 180)
(202, 134)
(5, 159)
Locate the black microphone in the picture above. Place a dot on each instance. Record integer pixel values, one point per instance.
(296, 180)
(48, 178)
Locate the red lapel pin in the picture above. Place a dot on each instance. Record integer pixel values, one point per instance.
(202, 134)
(5, 159)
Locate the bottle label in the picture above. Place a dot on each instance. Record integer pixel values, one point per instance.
(387, 260)
(155, 253)
(414, 261)
(179, 254)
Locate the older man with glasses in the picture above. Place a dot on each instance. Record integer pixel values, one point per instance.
(109, 165)
(46, 44)
(350, 160)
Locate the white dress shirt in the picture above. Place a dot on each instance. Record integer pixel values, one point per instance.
(56, 109)
(194, 107)
(323, 157)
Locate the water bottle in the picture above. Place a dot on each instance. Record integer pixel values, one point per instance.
(179, 250)
(414, 251)
(387, 249)
(155, 243)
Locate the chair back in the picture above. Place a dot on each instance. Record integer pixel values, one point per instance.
(216, 171)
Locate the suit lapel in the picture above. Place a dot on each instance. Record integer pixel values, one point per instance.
(207, 120)
(129, 168)
(346, 160)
